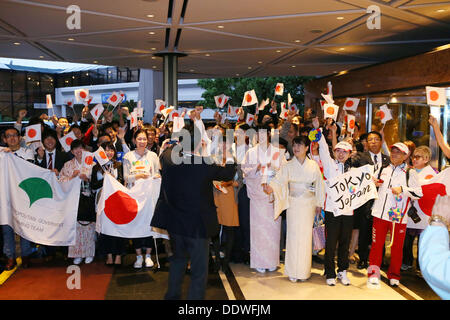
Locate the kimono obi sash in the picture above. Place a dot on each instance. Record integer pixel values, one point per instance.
(298, 189)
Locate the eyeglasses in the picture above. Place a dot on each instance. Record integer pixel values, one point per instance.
(11, 135)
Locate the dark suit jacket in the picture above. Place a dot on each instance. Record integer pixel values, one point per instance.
(186, 203)
(59, 159)
(360, 159)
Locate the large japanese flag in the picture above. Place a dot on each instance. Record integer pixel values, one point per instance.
(221, 100)
(249, 98)
(67, 140)
(160, 106)
(437, 185)
(81, 94)
(127, 213)
(114, 99)
(35, 204)
(97, 111)
(351, 104)
(436, 96)
(384, 114)
(33, 133)
(330, 111)
(279, 89)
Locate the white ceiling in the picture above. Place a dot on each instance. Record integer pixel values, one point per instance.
(255, 37)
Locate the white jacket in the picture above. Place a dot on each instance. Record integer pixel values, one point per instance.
(396, 177)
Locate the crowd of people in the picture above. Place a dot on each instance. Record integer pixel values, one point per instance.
(265, 210)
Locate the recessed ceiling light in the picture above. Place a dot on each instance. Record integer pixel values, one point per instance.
(341, 49)
(440, 10)
(237, 74)
(340, 18)
(249, 68)
(153, 58)
(154, 67)
(259, 62)
(293, 66)
(278, 51)
(153, 48)
(17, 43)
(42, 57)
(95, 61)
(297, 41)
(71, 39)
(150, 16)
(220, 27)
(192, 70)
(151, 32)
(207, 55)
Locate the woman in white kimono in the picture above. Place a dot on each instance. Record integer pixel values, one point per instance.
(299, 188)
(260, 165)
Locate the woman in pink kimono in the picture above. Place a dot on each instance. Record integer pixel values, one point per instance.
(260, 164)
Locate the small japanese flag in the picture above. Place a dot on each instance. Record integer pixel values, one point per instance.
(87, 159)
(284, 111)
(221, 100)
(33, 133)
(81, 94)
(232, 111)
(351, 123)
(289, 100)
(122, 95)
(69, 103)
(178, 124)
(351, 104)
(87, 101)
(384, 114)
(139, 110)
(100, 156)
(160, 106)
(263, 104)
(279, 89)
(173, 114)
(97, 111)
(330, 111)
(167, 111)
(322, 103)
(114, 99)
(134, 119)
(249, 98)
(250, 118)
(49, 101)
(436, 96)
(294, 108)
(67, 140)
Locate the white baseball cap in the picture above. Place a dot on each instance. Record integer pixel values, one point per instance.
(343, 145)
(401, 146)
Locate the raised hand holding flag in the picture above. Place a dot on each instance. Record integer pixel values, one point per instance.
(249, 98)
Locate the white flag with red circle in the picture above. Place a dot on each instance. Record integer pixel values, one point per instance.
(250, 119)
(160, 106)
(127, 213)
(139, 110)
(384, 114)
(221, 100)
(33, 133)
(436, 96)
(351, 104)
(100, 156)
(175, 113)
(279, 89)
(293, 107)
(97, 111)
(284, 111)
(178, 124)
(232, 111)
(249, 98)
(133, 119)
(49, 101)
(88, 101)
(81, 94)
(351, 123)
(167, 111)
(87, 161)
(69, 103)
(114, 99)
(322, 103)
(67, 140)
(330, 111)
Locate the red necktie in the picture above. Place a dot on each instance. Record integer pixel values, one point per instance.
(50, 161)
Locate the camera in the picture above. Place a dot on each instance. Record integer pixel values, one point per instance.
(412, 213)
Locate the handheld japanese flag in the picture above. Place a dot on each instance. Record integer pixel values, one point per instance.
(69, 103)
(351, 104)
(284, 111)
(232, 111)
(81, 94)
(322, 103)
(384, 114)
(167, 111)
(87, 161)
(294, 108)
(289, 100)
(67, 140)
(97, 111)
(249, 98)
(122, 95)
(330, 111)
(178, 124)
(173, 114)
(221, 100)
(351, 123)
(436, 96)
(134, 119)
(114, 99)
(250, 118)
(263, 104)
(100, 156)
(160, 106)
(279, 89)
(49, 101)
(33, 133)
(139, 110)
(218, 186)
(88, 101)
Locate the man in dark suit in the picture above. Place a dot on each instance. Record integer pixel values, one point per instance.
(186, 210)
(363, 215)
(51, 157)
